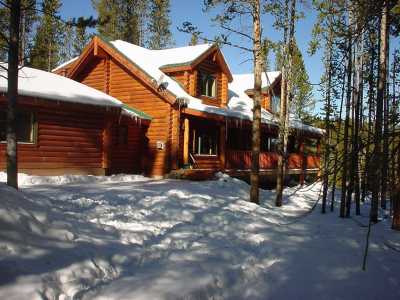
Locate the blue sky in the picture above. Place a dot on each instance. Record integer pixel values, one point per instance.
(191, 10)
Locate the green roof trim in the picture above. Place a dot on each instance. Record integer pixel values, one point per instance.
(141, 114)
(184, 64)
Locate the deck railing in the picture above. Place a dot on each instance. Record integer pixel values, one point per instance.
(241, 160)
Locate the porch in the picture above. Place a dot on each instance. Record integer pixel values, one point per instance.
(210, 146)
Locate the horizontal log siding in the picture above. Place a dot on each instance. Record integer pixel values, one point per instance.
(129, 89)
(182, 77)
(127, 158)
(68, 141)
(94, 75)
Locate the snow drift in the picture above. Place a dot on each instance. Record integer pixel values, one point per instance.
(130, 237)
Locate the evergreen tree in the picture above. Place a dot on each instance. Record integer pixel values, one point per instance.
(4, 19)
(160, 36)
(303, 102)
(27, 20)
(81, 36)
(194, 39)
(121, 19)
(47, 42)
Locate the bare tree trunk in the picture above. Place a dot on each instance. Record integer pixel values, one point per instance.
(255, 158)
(394, 120)
(358, 126)
(371, 108)
(346, 131)
(12, 94)
(385, 153)
(327, 148)
(285, 93)
(377, 154)
(22, 37)
(351, 162)
(336, 160)
(280, 168)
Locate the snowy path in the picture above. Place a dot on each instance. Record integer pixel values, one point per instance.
(135, 238)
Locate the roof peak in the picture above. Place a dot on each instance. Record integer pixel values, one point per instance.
(205, 45)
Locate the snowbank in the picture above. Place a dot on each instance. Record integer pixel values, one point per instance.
(130, 237)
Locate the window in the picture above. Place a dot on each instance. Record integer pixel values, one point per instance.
(121, 135)
(275, 104)
(273, 144)
(208, 85)
(25, 127)
(205, 141)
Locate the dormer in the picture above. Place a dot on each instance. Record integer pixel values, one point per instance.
(206, 77)
(270, 95)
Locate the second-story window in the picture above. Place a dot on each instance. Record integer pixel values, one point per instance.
(275, 104)
(208, 85)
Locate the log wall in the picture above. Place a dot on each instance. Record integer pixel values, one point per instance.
(128, 88)
(69, 139)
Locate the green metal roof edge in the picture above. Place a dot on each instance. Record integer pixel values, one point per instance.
(141, 114)
(184, 64)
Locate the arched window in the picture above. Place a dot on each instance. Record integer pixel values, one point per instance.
(208, 85)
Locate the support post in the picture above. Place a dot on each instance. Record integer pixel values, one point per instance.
(222, 146)
(186, 142)
(303, 162)
(318, 155)
(107, 139)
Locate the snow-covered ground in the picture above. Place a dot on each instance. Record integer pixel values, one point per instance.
(130, 237)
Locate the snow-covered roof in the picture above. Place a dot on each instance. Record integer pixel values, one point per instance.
(240, 101)
(65, 64)
(38, 83)
(240, 105)
(181, 55)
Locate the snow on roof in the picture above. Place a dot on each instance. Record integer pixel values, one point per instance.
(240, 101)
(150, 61)
(240, 105)
(37, 83)
(243, 82)
(65, 64)
(181, 55)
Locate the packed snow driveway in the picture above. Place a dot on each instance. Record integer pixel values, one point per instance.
(130, 237)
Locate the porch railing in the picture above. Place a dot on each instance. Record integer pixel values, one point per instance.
(236, 159)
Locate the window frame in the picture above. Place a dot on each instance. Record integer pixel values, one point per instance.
(196, 145)
(34, 128)
(205, 82)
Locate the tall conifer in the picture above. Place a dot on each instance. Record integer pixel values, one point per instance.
(160, 36)
(47, 42)
(122, 19)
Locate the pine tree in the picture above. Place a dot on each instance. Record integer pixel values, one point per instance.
(27, 20)
(194, 39)
(160, 36)
(47, 42)
(303, 102)
(81, 36)
(121, 19)
(4, 21)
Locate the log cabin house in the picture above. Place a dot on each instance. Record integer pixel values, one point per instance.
(65, 127)
(200, 113)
